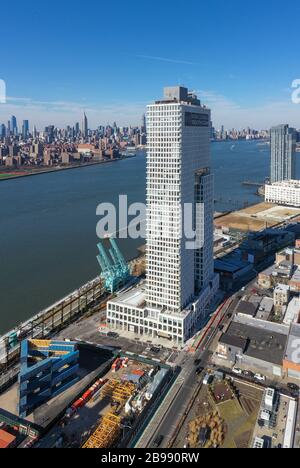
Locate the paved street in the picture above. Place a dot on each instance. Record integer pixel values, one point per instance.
(173, 408)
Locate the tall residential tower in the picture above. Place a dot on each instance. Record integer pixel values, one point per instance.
(283, 153)
(178, 173)
(84, 126)
(180, 281)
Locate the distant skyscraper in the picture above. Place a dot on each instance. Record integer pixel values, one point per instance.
(84, 126)
(49, 131)
(283, 153)
(77, 128)
(25, 129)
(3, 131)
(14, 127)
(144, 123)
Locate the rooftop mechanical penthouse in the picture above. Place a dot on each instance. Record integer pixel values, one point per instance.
(180, 282)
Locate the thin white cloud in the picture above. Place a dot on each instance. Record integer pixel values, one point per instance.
(62, 113)
(225, 112)
(165, 59)
(234, 115)
(215, 99)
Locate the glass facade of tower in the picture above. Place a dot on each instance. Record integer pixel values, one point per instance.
(178, 173)
(283, 153)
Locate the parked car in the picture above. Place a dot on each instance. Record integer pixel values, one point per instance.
(237, 371)
(293, 387)
(199, 370)
(112, 335)
(158, 441)
(248, 373)
(260, 378)
(155, 350)
(208, 379)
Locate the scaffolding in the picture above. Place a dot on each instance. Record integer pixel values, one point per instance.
(106, 433)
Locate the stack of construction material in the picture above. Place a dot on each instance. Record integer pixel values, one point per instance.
(106, 434)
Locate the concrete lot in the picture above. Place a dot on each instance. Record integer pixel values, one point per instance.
(87, 330)
(257, 217)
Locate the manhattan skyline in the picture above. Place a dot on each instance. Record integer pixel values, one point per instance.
(240, 76)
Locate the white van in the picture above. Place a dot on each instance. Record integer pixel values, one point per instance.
(208, 379)
(260, 378)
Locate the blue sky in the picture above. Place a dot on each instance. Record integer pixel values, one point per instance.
(112, 58)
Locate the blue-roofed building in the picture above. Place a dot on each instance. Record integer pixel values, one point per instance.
(48, 368)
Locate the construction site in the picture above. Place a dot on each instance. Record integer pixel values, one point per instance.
(111, 413)
(75, 391)
(106, 405)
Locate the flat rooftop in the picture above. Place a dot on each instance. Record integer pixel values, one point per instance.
(282, 288)
(233, 341)
(294, 184)
(272, 327)
(134, 297)
(293, 311)
(247, 308)
(265, 308)
(232, 263)
(261, 343)
(291, 353)
(296, 275)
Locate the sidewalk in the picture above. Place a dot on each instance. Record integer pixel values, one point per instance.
(214, 322)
